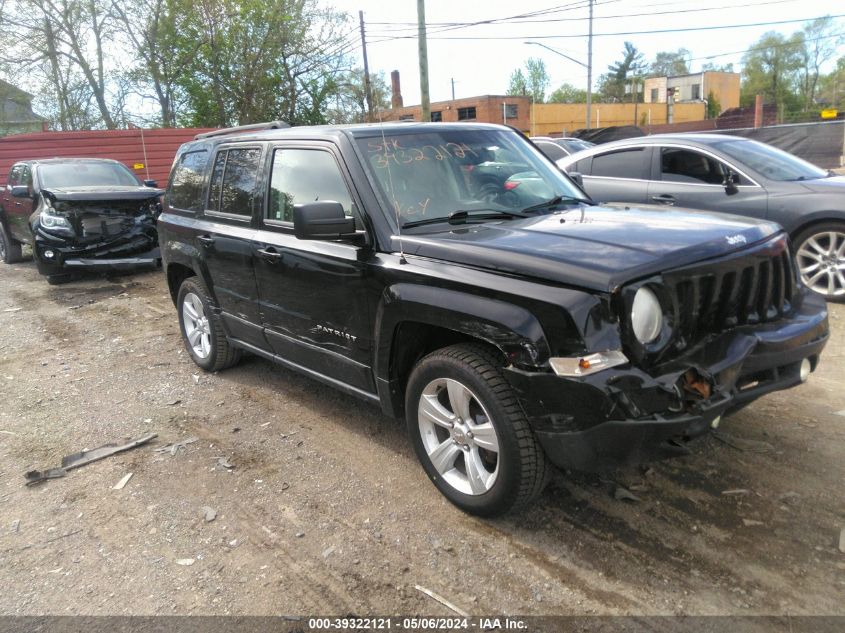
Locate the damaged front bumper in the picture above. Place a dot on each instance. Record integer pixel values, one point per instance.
(625, 414)
(55, 254)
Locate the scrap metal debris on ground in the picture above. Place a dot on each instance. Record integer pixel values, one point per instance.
(442, 601)
(175, 447)
(83, 458)
(122, 483)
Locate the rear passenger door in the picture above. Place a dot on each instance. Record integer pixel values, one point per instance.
(313, 293)
(226, 238)
(619, 175)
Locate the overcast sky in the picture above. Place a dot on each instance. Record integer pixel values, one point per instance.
(483, 66)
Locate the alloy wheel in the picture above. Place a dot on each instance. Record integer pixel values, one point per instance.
(821, 261)
(197, 328)
(458, 436)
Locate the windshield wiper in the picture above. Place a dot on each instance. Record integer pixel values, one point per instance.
(460, 216)
(556, 201)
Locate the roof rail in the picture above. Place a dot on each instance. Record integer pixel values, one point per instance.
(254, 127)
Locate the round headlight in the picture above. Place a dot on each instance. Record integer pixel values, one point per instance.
(646, 316)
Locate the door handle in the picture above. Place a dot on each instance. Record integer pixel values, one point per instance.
(664, 199)
(205, 240)
(269, 254)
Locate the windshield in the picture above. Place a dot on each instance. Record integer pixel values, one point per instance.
(771, 162)
(85, 174)
(426, 176)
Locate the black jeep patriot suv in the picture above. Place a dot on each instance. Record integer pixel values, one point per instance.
(452, 275)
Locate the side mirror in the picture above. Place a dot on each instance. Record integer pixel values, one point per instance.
(577, 178)
(151, 183)
(730, 182)
(323, 220)
(20, 191)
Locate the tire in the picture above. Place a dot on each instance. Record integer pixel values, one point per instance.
(490, 465)
(820, 256)
(57, 280)
(210, 348)
(10, 250)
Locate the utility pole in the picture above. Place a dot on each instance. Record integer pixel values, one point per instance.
(453, 89)
(423, 53)
(590, 68)
(368, 91)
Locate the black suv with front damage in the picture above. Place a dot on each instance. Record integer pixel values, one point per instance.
(509, 320)
(79, 214)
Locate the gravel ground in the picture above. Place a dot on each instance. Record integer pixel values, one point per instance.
(327, 511)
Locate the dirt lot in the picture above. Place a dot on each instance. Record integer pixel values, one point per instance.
(327, 511)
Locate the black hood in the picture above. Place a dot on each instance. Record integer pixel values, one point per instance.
(100, 193)
(599, 247)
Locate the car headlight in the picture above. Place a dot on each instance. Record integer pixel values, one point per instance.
(51, 220)
(646, 316)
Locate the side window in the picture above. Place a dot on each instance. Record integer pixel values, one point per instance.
(683, 165)
(627, 163)
(304, 175)
(26, 177)
(582, 166)
(233, 181)
(15, 176)
(185, 190)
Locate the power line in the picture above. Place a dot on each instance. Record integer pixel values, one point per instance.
(582, 19)
(580, 35)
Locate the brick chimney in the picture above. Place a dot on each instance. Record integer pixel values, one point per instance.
(396, 91)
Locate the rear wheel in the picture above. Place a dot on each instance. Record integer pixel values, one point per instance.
(470, 433)
(820, 254)
(10, 250)
(201, 328)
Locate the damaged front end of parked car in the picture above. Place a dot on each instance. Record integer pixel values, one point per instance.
(688, 346)
(95, 228)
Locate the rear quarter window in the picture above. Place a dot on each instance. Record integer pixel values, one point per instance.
(186, 183)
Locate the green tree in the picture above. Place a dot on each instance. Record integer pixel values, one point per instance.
(714, 108)
(821, 41)
(532, 81)
(831, 91)
(717, 68)
(670, 63)
(153, 31)
(771, 68)
(567, 93)
(612, 84)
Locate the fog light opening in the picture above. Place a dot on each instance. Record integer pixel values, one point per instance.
(48, 254)
(806, 368)
(716, 422)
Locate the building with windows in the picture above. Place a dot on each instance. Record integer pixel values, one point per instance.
(16, 115)
(695, 87)
(502, 109)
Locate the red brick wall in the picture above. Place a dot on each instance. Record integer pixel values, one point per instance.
(127, 146)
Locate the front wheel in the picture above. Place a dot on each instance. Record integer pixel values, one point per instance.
(470, 433)
(10, 250)
(820, 254)
(201, 328)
